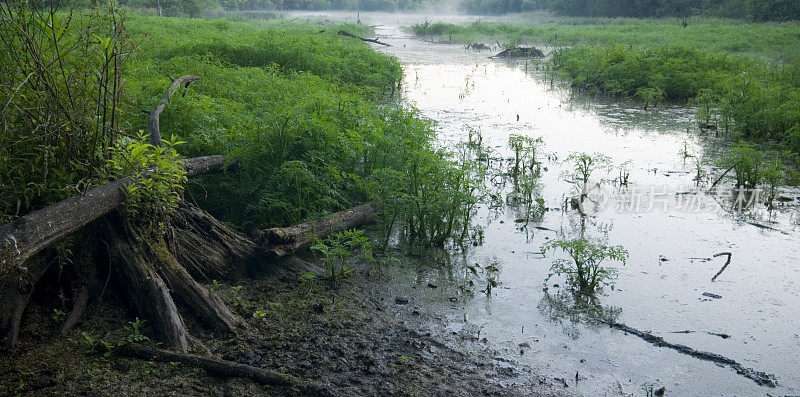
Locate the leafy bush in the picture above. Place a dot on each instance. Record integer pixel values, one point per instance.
(158, 178)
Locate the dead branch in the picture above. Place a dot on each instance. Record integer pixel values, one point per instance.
(222, 368)
(762, 378)
(155, 129)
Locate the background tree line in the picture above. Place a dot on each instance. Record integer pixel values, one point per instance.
(757, 10)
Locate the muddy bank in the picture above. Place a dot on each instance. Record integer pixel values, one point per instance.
(347, 338)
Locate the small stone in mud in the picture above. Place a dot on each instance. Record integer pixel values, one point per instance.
(400, 300)
(710, 295)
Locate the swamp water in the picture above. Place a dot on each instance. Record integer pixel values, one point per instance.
(749, 314)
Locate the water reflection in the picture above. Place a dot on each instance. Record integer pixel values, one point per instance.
(570, 308)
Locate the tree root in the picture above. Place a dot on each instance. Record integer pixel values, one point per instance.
(223, 368)
(80, 299)
(143, 287)
(16, 289)
(226, 253)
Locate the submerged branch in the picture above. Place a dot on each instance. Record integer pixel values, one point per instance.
(348, 34)
(762, 378)
(728, 262)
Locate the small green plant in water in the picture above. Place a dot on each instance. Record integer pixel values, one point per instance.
(524, 148)
(699, 171)
(582, 167)
(338, 247)
(583, 270)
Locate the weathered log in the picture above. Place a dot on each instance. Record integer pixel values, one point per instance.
(222, 368)
(28, 235)
(155, 129)
(280, 242)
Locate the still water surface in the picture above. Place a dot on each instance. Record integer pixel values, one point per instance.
(671, 237)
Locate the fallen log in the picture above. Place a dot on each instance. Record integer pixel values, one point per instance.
(227, 254)
(280, 242)
(28, 235)
(348, 34)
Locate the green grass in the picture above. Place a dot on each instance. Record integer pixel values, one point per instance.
(308, 115)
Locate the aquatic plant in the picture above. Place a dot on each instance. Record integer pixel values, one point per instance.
(524, 148)
(583, 270)
(581, 168)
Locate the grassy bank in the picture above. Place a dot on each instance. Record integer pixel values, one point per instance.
(767, 41)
